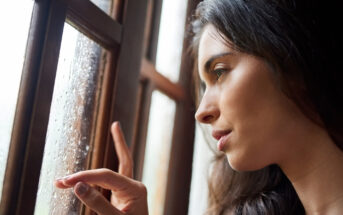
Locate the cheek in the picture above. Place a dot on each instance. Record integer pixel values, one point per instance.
(254, 108)
(248, 100)
(249, 152)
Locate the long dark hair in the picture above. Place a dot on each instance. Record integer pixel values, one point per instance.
(302, 41)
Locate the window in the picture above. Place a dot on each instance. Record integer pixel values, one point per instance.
(171, 79)
(159, 141)
(72, 117)
(87, 64)
(170, 40)
(11, 68)
(30, 128)
(105, 5)
(201, 165)
(157, 150)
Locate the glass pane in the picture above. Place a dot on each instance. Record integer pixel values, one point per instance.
(73, 109)
(202, 157)
(104, 5)
(170, 39)
(158, 145)
(15, 22)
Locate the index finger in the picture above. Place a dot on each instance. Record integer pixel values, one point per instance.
(104, 178)
(123, 152)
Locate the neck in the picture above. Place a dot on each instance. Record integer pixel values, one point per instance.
(316, 173)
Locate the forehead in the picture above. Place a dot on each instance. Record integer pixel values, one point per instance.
(211, 44)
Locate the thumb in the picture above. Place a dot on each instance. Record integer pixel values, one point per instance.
(93, 199)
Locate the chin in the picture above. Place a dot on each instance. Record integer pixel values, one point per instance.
(241, 164)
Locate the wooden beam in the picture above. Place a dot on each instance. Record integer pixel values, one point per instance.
(146, 87)
(181, 157)
(125, 90)
(92, 21)
(173, 90)
(154, 31)
(33, 108)
(138, 149)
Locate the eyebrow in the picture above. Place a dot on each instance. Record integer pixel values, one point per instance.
(213, 58)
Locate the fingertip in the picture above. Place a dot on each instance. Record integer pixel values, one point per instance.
(115, 125)
(59, 184)
(65, 182)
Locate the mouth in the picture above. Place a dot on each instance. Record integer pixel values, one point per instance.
(222, 136)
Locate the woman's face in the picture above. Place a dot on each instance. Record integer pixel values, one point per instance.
(252, 119)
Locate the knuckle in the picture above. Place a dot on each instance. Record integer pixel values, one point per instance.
(107, 175)
(142, 188)
(106, 171)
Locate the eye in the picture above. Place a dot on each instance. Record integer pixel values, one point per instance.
(219, 72)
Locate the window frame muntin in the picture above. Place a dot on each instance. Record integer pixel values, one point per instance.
(36, 88)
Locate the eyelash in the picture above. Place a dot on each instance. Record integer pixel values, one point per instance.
(218, 73)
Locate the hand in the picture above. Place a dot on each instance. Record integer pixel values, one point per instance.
(128, 196)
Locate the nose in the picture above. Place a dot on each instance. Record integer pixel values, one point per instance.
(208, 110)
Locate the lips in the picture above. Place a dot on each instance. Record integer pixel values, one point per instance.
(222, 136)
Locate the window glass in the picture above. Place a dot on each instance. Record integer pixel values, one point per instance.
(158, 145)
(15, 22)
(72, 115)
(202, 157)
(170, 39)
(104, 5)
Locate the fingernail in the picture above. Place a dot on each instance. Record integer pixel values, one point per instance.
(63, 178)
(81, 188)
(118, 123)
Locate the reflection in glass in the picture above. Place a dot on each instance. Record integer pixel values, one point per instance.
(170, 39)
(15, 22)
(73, 109)
(158, 145)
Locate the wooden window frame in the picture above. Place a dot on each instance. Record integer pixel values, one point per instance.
(180, 170)
(36, 88)
(121, 96)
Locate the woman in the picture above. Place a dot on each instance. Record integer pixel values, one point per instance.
(272, 74)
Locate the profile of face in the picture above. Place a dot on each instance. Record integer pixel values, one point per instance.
(254, 122)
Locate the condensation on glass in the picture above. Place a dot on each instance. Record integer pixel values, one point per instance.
(170, 39)
(15, 22)
(72, 115)
(157, 151)
(104, 5)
